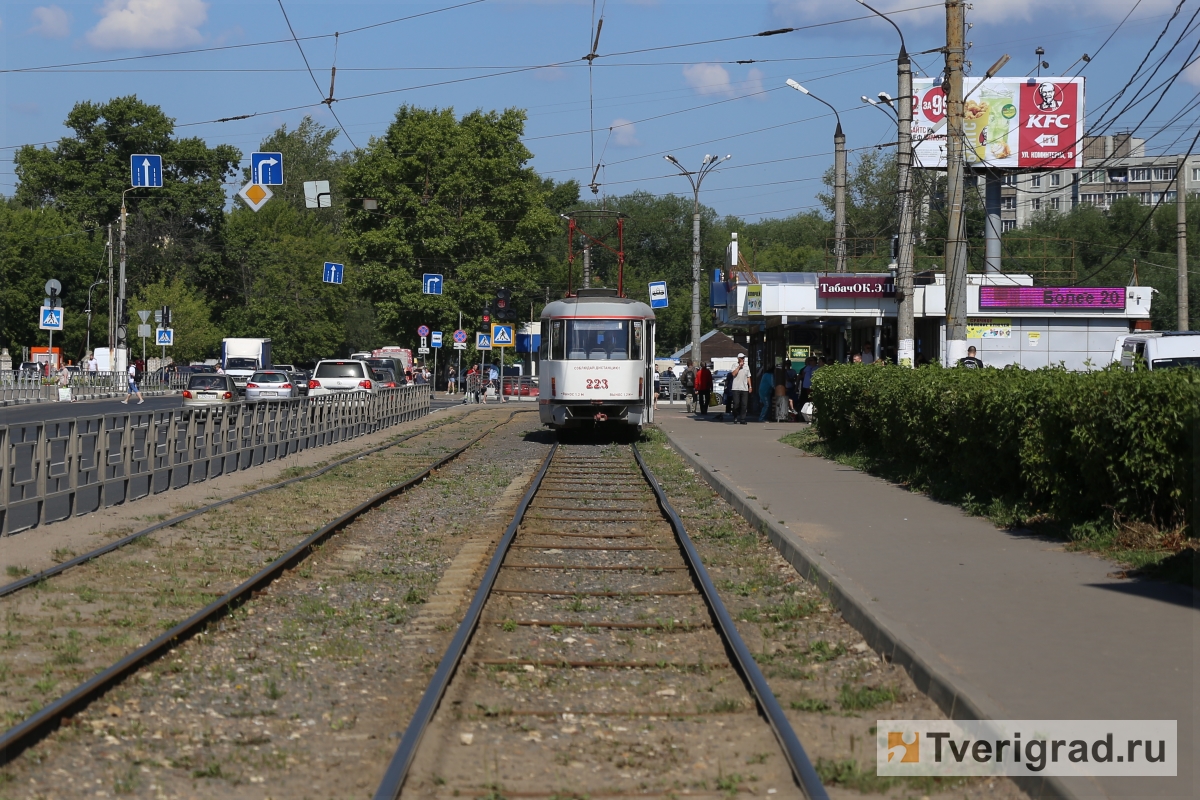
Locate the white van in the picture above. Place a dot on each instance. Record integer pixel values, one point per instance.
(1158, 349)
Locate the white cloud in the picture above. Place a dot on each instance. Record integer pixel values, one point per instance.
(52, 22)
(149, 23)
(992, 11)
(708, 79)
(754, 82)
(624, 133)
(1192, 73)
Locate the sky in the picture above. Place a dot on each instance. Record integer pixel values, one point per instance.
(666, 79)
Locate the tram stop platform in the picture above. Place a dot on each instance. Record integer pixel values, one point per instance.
(990, 623)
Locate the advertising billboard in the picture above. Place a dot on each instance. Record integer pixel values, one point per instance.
(1010, 123)
(1089, 298)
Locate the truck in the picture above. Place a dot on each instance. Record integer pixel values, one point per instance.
(1158, 349)
(241, 358)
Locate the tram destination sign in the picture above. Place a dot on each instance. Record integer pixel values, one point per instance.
(1085, 298)
(857, 286)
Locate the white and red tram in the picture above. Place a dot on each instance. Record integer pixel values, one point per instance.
(596, 362)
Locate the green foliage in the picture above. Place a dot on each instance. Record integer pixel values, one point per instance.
(196, 337)
(1072, 445)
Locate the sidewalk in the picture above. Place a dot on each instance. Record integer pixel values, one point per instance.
(989, 623)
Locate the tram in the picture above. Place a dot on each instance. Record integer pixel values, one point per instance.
(596, 362)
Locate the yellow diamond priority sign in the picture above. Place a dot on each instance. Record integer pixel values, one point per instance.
(255, 196)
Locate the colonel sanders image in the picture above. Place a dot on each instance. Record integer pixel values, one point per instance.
(1048, 97)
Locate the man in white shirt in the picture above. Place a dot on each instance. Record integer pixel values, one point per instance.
(740, 389)
(133, 387)
(93, 366)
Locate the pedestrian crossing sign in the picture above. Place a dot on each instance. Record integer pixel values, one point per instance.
(502, 336)
(483, 341)
(164, 337)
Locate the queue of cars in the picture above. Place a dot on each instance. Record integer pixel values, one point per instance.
(285, 381)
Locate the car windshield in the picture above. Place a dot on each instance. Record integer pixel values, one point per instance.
(269, 377)
(206, 382)
(384, 375)
(241, 363)
(339, 369)
(1177, 363)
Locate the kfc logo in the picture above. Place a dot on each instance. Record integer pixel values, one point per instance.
(1049, 97)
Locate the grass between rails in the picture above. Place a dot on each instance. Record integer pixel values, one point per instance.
(1138, 547)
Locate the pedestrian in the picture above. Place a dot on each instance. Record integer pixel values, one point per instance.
(806, 376)
(766, 391)
(740, 385)
(93, 366)
(867, 355)
(971, 361)
(858, 359)
(451, 379)
(133, 387)
(64, 382)
(689, 386)
(704, 387)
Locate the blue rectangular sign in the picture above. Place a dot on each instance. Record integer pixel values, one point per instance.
(431, 283)
(266, 169)
(658, 294)
(333, 272)
(146, 170)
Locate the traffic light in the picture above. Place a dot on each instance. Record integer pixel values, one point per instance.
(504, 309)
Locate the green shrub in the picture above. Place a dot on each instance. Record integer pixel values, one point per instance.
(1071, 445)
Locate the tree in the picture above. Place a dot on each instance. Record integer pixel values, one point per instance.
(455, 197)
(196, 337)
(308, 155)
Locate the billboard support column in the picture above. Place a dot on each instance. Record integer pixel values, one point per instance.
(991, 200)
(839, 197)
(1181, 243)
(956, 251)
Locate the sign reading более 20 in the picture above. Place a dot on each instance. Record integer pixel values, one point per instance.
(857, 286)
(1063, 298)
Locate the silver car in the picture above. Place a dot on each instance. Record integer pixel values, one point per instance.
(335, 376)
(208, 390)
(270, 385)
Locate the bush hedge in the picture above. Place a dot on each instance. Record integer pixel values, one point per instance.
(1070, 445)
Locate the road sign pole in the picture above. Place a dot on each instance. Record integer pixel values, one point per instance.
(50, 349)
(433, 386)
(460, 373)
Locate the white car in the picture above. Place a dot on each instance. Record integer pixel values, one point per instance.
(339, 376)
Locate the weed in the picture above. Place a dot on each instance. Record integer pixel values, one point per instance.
(68, 652)
(786, 611)
(46, 684)
(509, 626)
(865, 698)
(273, 691)
(127, 782)
(61, 554)
(727, 705)
(758, 758)
(821, 650)
(810, 704)
(556, 629)
(729, 783)
(413, 596)
(213, 770)
(14, 571)
(87, 594)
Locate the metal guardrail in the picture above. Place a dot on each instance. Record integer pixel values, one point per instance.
(24, 387)
(52, 470)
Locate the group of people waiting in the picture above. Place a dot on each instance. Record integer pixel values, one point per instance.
(782, 391)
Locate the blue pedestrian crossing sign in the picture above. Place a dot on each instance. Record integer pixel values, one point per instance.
(146, 170)
(502, 336)
(51, 319)
(431, 283)
(164, 337)
(266, 169)
(658, 294)
(333, 272)
(483, 341)
(435, 339)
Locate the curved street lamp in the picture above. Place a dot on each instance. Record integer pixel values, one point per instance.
(839, 180)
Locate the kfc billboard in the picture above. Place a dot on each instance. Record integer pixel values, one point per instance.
(1014, 123)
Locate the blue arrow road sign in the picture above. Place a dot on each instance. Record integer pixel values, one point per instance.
(164, 337)
(431, 284)
(333, 272)
(435, 339)
(266, 169)
(658, 294)
(502, 335)
(483, 341)
(146, 170)
(51, 319)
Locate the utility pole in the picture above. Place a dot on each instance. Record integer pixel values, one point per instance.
(839, 197)
(956, 245)
(709, 164)
(119, 364)
(1181, 243)
(459, 377)
(111, 312)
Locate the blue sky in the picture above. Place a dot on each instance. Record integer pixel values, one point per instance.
(685, 100)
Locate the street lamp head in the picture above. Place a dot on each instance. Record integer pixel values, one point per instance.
(796, 86)
(671, 159)
(864, 98)
(884, 97)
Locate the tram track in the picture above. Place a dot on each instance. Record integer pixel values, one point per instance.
(113, 602)
(593, 630)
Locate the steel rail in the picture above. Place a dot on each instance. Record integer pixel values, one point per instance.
(18, 738)
(30, 580)
(397, 769)
(743, 659)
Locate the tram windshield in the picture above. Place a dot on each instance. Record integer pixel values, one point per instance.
(593, 339)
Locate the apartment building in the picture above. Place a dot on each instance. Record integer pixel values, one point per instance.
(1114, 167)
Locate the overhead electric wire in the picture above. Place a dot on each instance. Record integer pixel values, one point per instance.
(329, 101)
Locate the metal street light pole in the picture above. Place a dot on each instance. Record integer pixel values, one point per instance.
(839, 181)
(695, 179)
(905, 258)
(88, 347)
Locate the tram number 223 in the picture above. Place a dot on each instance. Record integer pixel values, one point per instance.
(597, 383)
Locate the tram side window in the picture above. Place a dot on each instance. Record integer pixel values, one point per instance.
(635, 349)
(554, 344)
(598, 339)
(544, 348)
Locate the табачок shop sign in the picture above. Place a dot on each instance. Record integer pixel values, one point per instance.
(860, 286)
(1065, 298)
(1010, 123)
